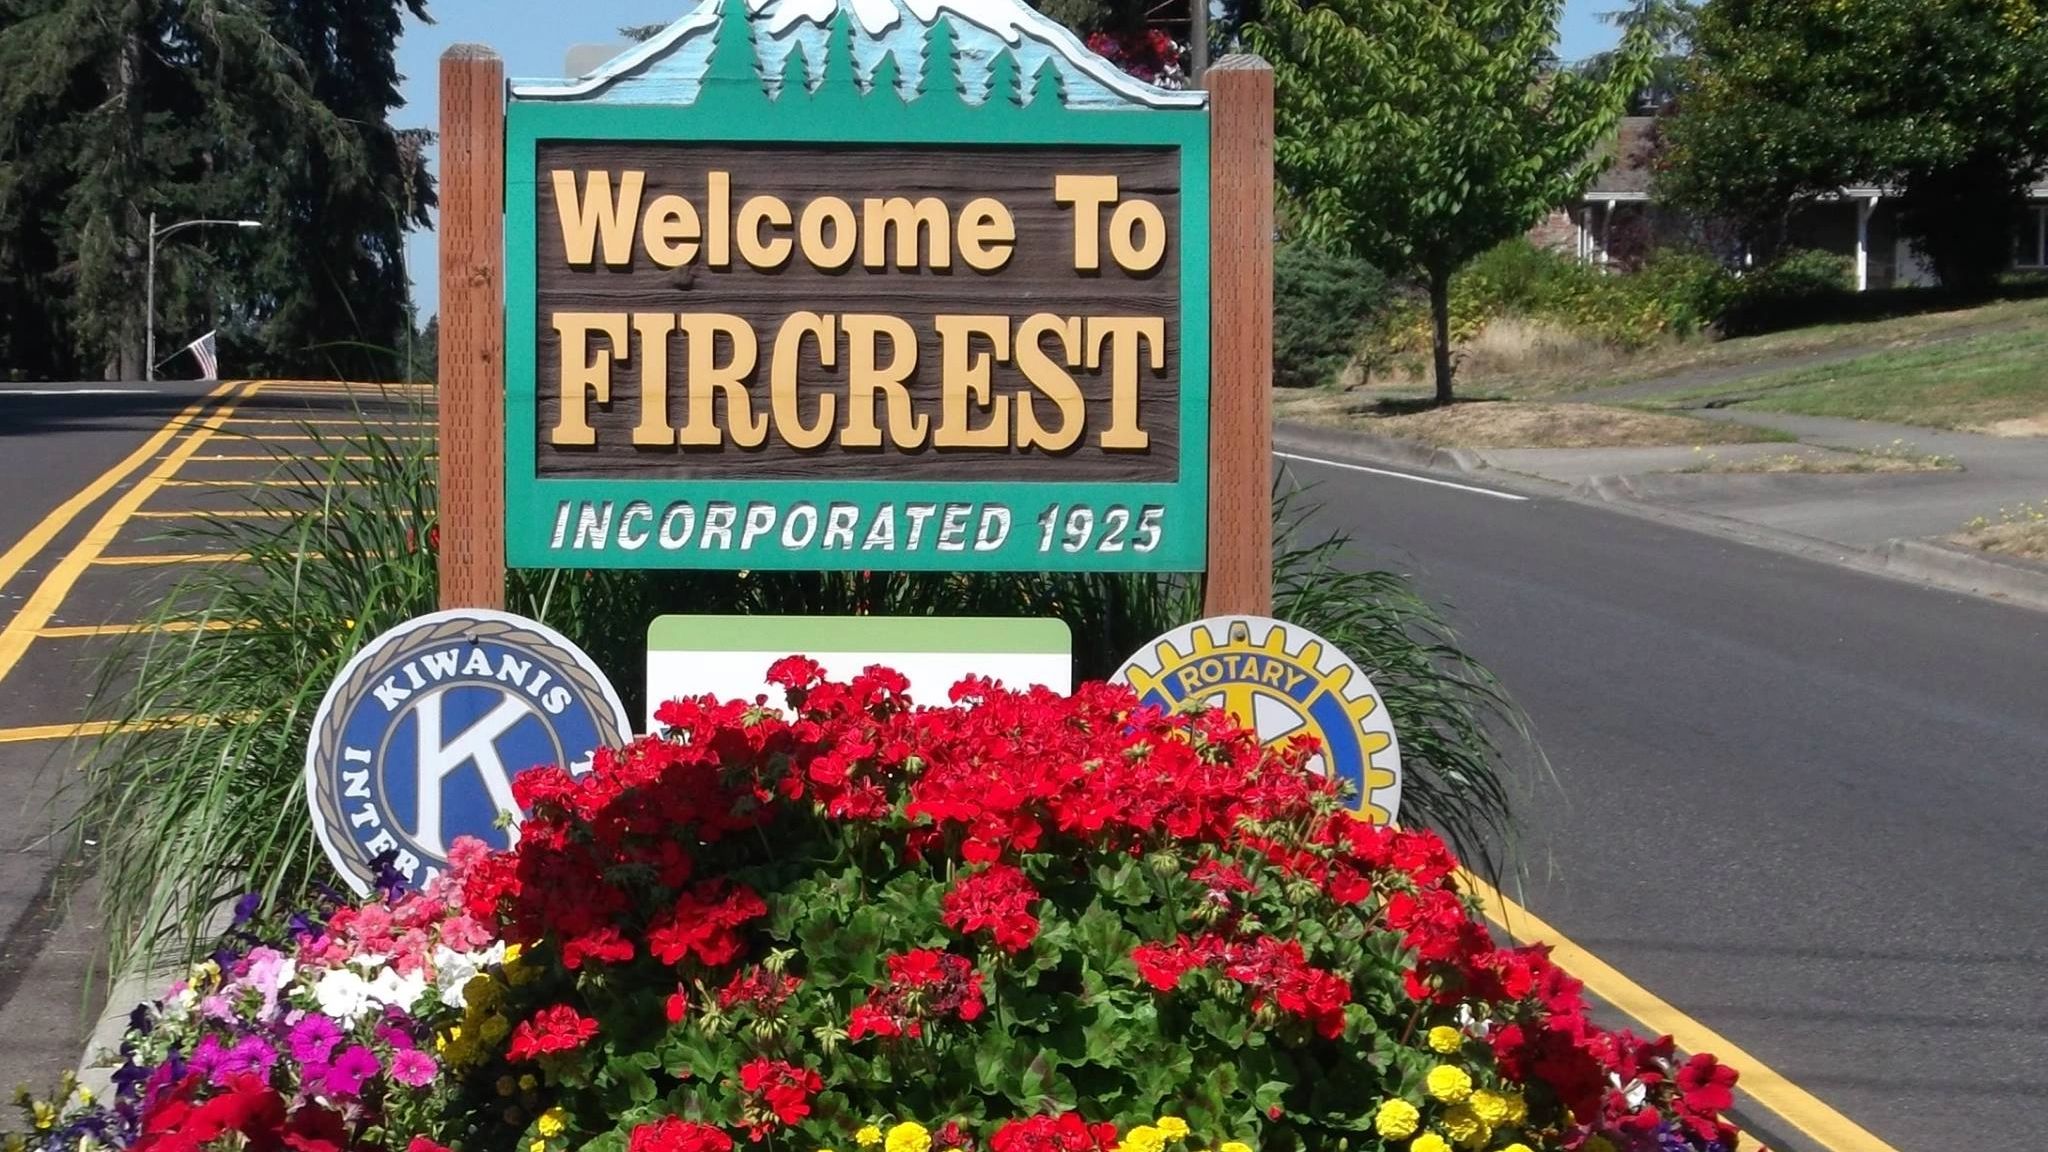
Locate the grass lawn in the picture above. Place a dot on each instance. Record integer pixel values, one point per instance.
(1993, 381)
(1544, 372)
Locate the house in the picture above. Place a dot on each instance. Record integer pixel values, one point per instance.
(1619, 222)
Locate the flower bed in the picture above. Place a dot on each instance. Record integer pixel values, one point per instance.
(1022, 923)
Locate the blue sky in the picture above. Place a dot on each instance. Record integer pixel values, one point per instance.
(534, 35)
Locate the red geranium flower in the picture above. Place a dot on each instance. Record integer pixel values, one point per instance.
(777, 1093)
(554, 1029)
(675, 1134)
(997, 898)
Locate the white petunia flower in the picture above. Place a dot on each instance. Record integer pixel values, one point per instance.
(343, 996)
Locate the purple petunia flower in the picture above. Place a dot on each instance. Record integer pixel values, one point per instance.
(413, 1068)
(313, 1039)
(207, 1056)
(350, 1069)
(252, 1055)
(246, 908)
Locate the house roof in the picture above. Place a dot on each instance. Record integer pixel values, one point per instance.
(1631, 174)
(1631, 151)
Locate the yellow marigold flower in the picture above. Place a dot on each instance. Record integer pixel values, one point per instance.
(909, 1136)
(1235, 1146)
(537, 1146)
(1396, 1119)
(1597, 1144)
(1518, 1146)
(1172, 1127)
(1465, 1128)
(1492, 1107)
(1444, 1039)
(1518, 1108)
(528, 1082)
(1428, 1142)
(553, 1123)
(1448, 1083)
(1143, 1138)
(494, 1029)
(868, 1136)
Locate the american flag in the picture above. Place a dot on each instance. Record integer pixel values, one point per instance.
(203, 351)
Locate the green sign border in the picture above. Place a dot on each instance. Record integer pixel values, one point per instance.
(827, 116)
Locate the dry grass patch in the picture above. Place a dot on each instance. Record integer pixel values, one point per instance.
(1522, 425)
(2020, 531)
(1895, 457)
(2014, 429)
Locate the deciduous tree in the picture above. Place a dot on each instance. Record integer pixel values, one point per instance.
(1420, 133)
(1943, 101)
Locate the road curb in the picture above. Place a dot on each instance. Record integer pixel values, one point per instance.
(2007, 581)
(2012, 580)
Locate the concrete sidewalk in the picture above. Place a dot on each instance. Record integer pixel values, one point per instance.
(1899, 523)
(1854, 510)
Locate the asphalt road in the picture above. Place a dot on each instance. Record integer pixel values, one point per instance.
(89, 517)
(1802, 804)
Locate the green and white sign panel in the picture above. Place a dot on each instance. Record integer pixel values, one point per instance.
(858, 285)
(728, 656)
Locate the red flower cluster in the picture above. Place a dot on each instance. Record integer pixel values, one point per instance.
(998, 898)
(635, 865)
(675, 1134)
(775, 1094)
(1066, 1132)
(759, 989)
(1275, 971)
(248, 1111)
(552, 1030)
(923, 985)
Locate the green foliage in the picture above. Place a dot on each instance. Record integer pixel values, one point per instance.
(1675, 293)
(188, 814)
(1944, 100)
(236, 109)
(1321, 303)
(1418, 136)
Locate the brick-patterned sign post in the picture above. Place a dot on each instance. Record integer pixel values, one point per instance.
(472, 355)
(1240, 580)
(783, 288)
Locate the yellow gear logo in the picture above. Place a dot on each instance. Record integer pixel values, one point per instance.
(1285, 683)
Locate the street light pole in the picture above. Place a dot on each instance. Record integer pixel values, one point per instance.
(149, 283)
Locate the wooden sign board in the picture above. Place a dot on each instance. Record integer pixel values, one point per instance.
(803, 285)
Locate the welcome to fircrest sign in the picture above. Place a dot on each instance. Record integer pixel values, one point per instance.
(876, 284)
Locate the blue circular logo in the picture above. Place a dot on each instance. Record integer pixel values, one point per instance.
(419, 738)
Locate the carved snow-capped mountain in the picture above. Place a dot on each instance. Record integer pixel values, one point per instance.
(670, 66)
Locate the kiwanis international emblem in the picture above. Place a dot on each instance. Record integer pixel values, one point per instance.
(419, 738)
(1283, 682)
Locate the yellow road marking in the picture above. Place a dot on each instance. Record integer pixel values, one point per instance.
(320, 422)
(232, 513)
(1768, 1087)
(39, 537)
(144, 561)
(86, 631)
(309, 486)
(275, 458)
(49, 595)
(89, 728)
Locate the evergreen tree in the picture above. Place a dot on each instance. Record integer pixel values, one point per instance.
(277, 111)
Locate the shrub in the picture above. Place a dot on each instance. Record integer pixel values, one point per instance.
(180, 817)
(1024, 922)
(1321, 304)
(1801, 287)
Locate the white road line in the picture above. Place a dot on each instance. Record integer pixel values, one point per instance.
(1399, 475)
